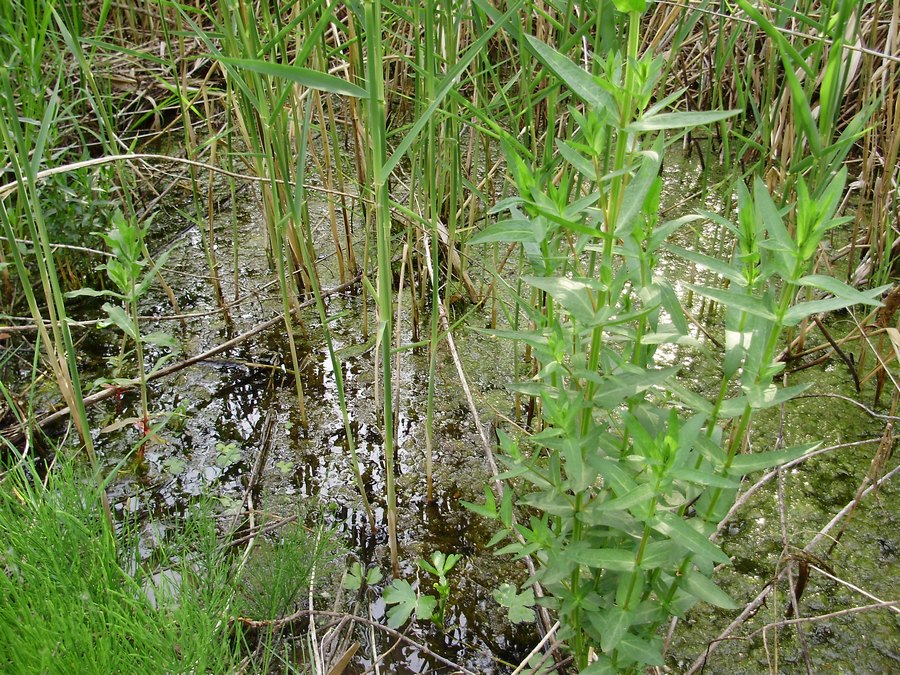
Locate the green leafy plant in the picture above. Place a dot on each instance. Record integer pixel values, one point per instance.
(131, 273)
(440, 567)
(357, 577)
(629, 472)
(174, 466)
(405, 601)
(284, 467)
(227, 454)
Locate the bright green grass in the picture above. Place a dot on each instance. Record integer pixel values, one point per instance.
(67, 603)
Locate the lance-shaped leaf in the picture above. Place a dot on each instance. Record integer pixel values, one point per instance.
(680, 120)
(701, 587)
(575, 296)
(578, 80)
(744, 464)
(612, 559)
(312, 79)
(737, 299)
(512, 230)
(118, 317)
(674, 527)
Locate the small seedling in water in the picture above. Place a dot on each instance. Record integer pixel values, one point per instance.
(284, 467)
(228, 454)
(357, 577)
(174, 466)
(440, 566)
(131, 273)
(406, 601)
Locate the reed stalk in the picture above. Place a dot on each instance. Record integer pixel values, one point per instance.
(382, 222)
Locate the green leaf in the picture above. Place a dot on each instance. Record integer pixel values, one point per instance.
(228, 454)
(488, 509)
(680, 120)
(615, 389)
(612, 559)
(312, 79)
(47, 124)
(551, 502)
(646, 652)
(736, 299)
(142, 287)
(744, 464)
(781, 241)
(661, 553)
(679, 530)
(578, 80)
(118, 316)
(506, 505)
(612, 472)
(581, 163)
(405, 601)
(720, 267)
(801, 310)
(373, 576)
(519, 605)
(575, 296)
(701, 587)
(612, 624)
(428, 567)
(425, 606)
(353, 579)
(640, 495)
(515, 229)
(841, 290)
(703, 478)
(284, 468)
(762, 396)
(160, 339)
(91, 293)
(174, 466)
(636, 193)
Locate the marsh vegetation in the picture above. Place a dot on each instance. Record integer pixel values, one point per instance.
(483, 336)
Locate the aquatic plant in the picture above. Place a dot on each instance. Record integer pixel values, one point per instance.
(629, 472)
(75, 584)
(481, 155)
(131, 274)
(440, 565)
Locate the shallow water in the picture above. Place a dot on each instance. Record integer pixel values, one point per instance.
(234, 397)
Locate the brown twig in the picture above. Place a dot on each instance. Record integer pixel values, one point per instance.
(299, 614)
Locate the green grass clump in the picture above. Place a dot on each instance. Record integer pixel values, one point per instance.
(71, 600)
(277, 577)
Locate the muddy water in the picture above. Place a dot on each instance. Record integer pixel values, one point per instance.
(235, 397)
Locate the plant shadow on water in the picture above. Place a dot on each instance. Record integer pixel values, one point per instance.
(226, 401)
